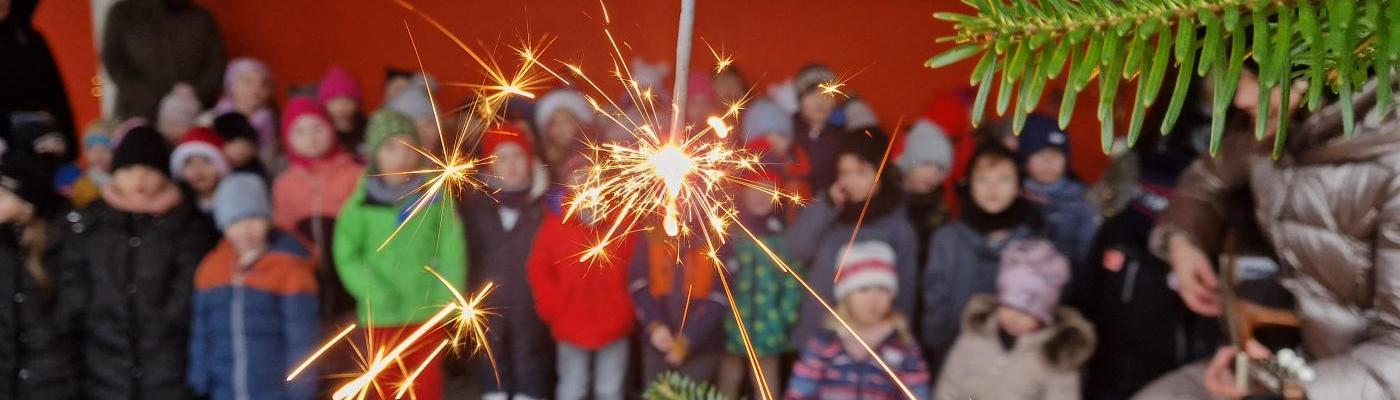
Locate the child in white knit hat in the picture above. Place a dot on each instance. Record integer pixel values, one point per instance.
(1020, 344)
(834, 365)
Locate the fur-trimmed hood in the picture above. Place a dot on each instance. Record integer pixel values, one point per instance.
(1066, 345)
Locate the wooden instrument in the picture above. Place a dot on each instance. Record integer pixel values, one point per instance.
(1285, 372)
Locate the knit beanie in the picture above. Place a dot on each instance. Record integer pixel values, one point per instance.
(338, 83)
(866, 264)
(562, 99)
(504, 134)
(764, 117)
(812, 75)
(142, 146)
(1031, 275)
(242, 65)
(239, 197)
(234, 126)
(201, 142)
(413, 101)
(925, 143)
(384, 125)
(1041, 133)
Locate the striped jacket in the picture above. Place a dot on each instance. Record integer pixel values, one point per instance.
(253, 324)
(826, 370)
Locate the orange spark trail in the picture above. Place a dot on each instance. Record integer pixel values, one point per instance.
(874, 186)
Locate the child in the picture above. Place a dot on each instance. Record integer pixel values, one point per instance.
(340, 96)
(833, 364)
(561, 117)
(1019, 344)
(254, 305)
(680, 306)
(768, 130)
(586, 304)
(816, 136)
(825, 226)
(415, 102)
(240, 144)
(924, 159)
(135, 254)
(766, 296)
(965, 253)
(730, 85)
(97, 153)
(385, 274)
(37, 352)
(500, 227)
(248, 91)
(178, 110)
(1070, 220)
(198, 162)
(307, 196)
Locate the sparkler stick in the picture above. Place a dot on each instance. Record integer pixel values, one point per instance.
(686, 26)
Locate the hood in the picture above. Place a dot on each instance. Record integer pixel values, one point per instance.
(1067, 344)
(1319, 139)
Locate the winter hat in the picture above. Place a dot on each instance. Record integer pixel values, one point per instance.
(338, 83)
(298, 107)
(31, 185)
(413, 101)
(180, 105)
(142, 146)
(96, 139)
(925, 143)
(699, 84)
(867, 263)
(812, 75)
(201, 142)
(239, 197)
(1041, 133)
(99, 133)
(1032, 274)
(856, 113)
(242, 65)
(562, 99)
(384, 125)
(234, 126)
(764, 117)
(518, 108)
(506, 134)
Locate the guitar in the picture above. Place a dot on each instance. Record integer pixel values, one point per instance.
(1285, 372)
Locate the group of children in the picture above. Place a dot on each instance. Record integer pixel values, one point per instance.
(945, 268)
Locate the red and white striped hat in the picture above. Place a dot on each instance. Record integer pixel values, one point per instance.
(867, 263)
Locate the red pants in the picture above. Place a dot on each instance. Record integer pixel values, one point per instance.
(428, 384)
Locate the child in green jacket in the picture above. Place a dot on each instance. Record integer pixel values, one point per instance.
(393, 292)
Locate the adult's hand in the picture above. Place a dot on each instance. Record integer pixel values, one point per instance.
(1193, 271)
(1219, 377)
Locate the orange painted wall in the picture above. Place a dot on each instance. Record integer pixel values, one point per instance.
(67, 25)
(883, 43)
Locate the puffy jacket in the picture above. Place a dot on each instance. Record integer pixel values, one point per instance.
(962, 263)
(1330, 207)
(1040, 365)
(132, 289)
(586, 304)
(253, 324)
(37, 351)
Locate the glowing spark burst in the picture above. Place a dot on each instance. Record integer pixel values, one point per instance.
(722, 61)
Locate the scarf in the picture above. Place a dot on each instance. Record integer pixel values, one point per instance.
(158, 204)
(378, 191)
(1020, 212)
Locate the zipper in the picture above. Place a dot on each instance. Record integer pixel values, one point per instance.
(240, 345)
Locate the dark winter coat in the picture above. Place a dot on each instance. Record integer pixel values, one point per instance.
(962, 263)
(518, 338)
(29, 77)
(133, 285)
(37, 352)
(1070, 220)
(821, 152)
(150, 45)
(816, 240)
(1143, 327)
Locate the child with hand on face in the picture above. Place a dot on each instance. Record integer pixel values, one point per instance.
(1019, 344)
(254, 305)
(833, 365)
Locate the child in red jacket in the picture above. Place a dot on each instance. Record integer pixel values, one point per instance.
(585, 303)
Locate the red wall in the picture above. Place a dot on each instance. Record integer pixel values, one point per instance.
(885, 41)
(67, 25)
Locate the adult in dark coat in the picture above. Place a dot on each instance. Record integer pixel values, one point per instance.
(135, 254)
(150, 45)
(29, 78)
(37, 354)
